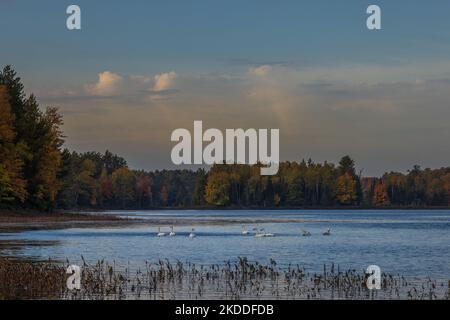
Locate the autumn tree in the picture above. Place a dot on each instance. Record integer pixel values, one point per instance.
(106, 189)
(346, 189)
(36, 173)
(143, 190)
(295, 183)
(446, 183)
(87, 191)
(123, 187)
(37, 139)
(198, 197)
(217, 191)
(395, 184)
(164, 195)
(255, 190)
(12, 185)
(380, 196)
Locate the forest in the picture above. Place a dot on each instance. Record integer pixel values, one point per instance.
(38, 173)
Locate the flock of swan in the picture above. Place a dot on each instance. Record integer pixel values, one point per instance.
(258, 233)
(173, 234)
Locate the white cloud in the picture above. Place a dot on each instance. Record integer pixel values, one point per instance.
(261, 71)
(320, 113)
(164, 81)
(108, 83)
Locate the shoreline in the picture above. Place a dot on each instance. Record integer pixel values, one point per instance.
(231, 208)
(15, 222)
(12, 222)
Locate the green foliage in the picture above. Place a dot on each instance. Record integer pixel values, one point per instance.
(84, 179)
(198, 198)
(31, 152)
(123, 183)
(217, 191)
(304, 184)
(6, 189)
(12, 186)
(346, 189)
(346, 165)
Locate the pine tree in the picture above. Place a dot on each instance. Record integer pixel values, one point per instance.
(37, 140)
(12, 185)
(198, 197)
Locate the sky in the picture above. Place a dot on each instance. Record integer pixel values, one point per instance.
(138, 70)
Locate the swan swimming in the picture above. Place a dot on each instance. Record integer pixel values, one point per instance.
(306, 233)
(327, 233)
(262, 234)
(245, 232)
(172, 233)
(160, 234)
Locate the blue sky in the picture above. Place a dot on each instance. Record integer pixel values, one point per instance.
(197, 36)
(312, 61)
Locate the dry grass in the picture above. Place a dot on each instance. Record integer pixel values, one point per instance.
(239, 280)
(31, 217)
(11, 222)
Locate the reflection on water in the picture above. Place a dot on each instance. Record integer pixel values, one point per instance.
(411, 243)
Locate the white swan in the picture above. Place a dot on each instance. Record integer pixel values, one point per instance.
(245, 232)
(327, 233)
(262, 234)
(172, 233)
(259, 233)
(192, 234)
(160, 234)
(306, 233)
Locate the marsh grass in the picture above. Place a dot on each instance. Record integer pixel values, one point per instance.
(240, 279)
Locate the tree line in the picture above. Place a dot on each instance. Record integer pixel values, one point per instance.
(37, 172)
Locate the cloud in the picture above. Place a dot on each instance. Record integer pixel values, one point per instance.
(108, 84)
(140, 79)
(261, 71)
(321, 117)
(164, 81)
(134, 87)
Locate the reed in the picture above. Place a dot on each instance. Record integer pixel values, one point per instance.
(232, 280)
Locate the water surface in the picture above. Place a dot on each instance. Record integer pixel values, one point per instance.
(411, 243)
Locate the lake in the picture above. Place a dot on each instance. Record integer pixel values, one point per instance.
(410, 243)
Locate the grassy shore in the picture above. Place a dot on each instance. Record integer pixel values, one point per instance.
(17, 221)
(33, 216)
(233, 280)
